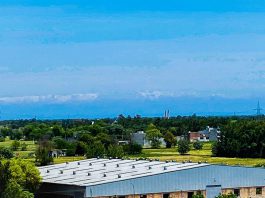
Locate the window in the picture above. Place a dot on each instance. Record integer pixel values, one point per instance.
(190, 194)
(237, 192)
(258, 191)
(166, 195)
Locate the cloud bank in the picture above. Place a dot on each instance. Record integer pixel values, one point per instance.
(50, 98)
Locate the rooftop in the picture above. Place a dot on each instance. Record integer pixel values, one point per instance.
(98, 171)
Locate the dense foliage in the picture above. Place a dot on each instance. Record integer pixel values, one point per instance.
(183, 147)
(242, 139)
(227, 196)
(18, 178)
(6, 153)
(197, 145)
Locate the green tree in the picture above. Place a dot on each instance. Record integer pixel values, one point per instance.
(6, 153)
(183, 147)
(60, 143)
(86, 138)
(197, 145)
(43, 155)
(15, 145)
(18, 178)
(169, 139)
(81, 148)
(13, 189)
(96, 149)
(57, 131)
(115, 151)
(153, 135)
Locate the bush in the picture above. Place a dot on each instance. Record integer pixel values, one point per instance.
(95, 150)
(15, 145)
(183, 147)
(198, 196)
(227, 196)
(6, 153)
(132, 149)
(24, 146)
(260, 165)
(2, 139)
(197, 145)
(115, 151)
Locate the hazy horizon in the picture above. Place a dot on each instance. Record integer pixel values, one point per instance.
(100, 59)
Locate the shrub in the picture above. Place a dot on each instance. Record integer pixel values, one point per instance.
(183, 147)
(115, 151)
(198, 196)
(6, 153)
(197, 145)
(96, 149)
(227, 196)
(15, 145)
(132, 149)
(24, 146)
(2, 139)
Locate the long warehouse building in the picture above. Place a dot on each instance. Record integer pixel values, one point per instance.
(148, 179)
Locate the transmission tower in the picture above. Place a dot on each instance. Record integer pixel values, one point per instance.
(258, 109)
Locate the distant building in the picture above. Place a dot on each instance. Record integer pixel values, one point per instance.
(209, 134)
(57, 153)
(140, 138)
(194, 136)
(117, 178)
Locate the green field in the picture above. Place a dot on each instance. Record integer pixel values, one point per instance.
(161, 154)
(196, 156)
(31, 149)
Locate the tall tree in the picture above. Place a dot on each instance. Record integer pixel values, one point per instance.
(153, 135)
(169, 139)
(43, 152)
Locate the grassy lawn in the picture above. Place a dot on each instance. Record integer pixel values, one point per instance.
(197, 155)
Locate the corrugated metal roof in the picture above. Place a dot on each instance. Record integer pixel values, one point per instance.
(94, 171)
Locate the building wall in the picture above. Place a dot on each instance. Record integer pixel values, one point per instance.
(193, 179)
(246, 192)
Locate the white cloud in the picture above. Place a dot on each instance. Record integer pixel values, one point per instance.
(155, 94)
(50, 98)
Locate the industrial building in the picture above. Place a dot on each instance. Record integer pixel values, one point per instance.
(148, 179)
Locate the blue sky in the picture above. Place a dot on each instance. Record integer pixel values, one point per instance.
(101, 58)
